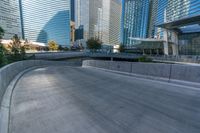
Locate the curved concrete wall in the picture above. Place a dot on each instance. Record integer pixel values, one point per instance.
(167, 72)
(57, 55)
(8, 72)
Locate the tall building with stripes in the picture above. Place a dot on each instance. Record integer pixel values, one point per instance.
(10, 18)
(45, 20)
(167, 11)
(173, 24)
(111, 20)
(99, 19)
(87, 16)
(135, 20)
(178, 24)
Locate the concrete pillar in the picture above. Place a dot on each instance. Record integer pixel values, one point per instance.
(175, 43)
(150, 51)
(143, 52)
(157, 51)
(175, 49)
(166, 43)
(111, 58)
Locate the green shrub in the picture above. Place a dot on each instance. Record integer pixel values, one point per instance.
(144, 59)
(3, 59)
(94, 44)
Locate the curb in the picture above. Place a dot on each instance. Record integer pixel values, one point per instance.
(6, 102)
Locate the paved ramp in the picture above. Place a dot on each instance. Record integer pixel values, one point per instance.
(85, 100)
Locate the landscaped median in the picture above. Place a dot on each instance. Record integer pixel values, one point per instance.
(175, 73)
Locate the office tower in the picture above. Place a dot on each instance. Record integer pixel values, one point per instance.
(111, 20)
(100, 19)
(153, 7)
(177, 9)
(45, 20)
(174, 10)
(135, 19)
(180, 26)
(87, 16)
(73, 10)
(10, 18)
(79, 33)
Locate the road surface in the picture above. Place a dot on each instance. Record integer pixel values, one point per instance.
(87, 100)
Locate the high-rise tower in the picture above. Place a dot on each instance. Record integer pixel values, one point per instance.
(111, 20)
(10, 18)
(45, 20)
(99, 19)
(135, 19)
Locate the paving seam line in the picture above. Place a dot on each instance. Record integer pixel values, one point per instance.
(6, 102)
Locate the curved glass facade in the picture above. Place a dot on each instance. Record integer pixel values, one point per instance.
(10, 18)
(45, 20)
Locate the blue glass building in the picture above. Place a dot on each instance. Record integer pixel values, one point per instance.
(73, 10)
(178, 23)
(45, 20)
(174, 10)
(134, 19)
(175, 22)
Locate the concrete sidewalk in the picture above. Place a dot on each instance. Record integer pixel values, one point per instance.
(85, 100)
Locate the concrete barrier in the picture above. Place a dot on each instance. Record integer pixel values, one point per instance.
(57, 55)
(152, 69)
(165, 72)
(185, 73)
(120, 66)
(8, 72)
(102, 64)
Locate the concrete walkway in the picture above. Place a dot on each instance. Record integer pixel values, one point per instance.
(86, 100)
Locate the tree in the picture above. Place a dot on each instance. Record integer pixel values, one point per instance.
(121, 48)
(3, 59)
(16, 45)
(60, 48)
(94, 44)
(53, 46)
(17, 50)
(1, 33)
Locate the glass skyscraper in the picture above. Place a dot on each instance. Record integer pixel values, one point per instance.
(111, 10)
(82, 16)
(10, 18)
(182, 35)
(173, 10)
(153, 8)
(135, 20)
(100, 19)
(169, 21)
(73, 10)
(45, 20)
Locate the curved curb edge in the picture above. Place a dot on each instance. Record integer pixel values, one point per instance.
(6, 102)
